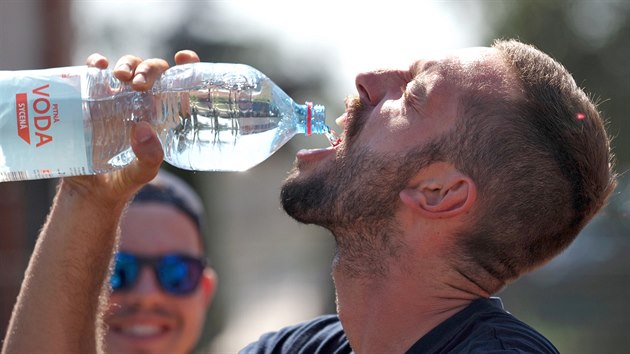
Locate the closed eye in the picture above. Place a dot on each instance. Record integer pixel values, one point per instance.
(415, 95)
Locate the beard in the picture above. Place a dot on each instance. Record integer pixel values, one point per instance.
(358, 187)
(356, 200)
(356, 197)
(316, 199)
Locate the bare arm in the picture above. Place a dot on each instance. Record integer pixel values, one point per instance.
(60, 301)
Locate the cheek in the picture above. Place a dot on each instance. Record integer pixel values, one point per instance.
(194, 310)
(387, 136)
(114, 303)
(193, 316)
(115, 299)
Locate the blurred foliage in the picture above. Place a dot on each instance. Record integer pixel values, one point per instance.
(580, 299)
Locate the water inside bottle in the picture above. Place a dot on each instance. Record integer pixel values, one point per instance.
(109, 130)
(203, 130)
(216, 131)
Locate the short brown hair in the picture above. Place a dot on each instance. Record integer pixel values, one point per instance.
(541, 161)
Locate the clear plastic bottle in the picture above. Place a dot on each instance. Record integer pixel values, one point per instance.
(209, 117)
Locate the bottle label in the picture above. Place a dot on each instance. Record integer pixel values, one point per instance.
(41, 125)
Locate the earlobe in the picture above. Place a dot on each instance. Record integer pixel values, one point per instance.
(441, 198)
(209, 284)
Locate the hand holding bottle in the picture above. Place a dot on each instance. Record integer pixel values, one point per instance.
(118, 186)
(78, 239)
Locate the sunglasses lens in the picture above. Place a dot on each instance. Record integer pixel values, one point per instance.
(125, 271)
(179, 275)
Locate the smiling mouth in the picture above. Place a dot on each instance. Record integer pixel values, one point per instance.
(141, 331)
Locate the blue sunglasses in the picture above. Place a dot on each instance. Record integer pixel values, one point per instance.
(176, 274)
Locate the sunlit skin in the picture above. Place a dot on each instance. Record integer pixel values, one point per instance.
(413, 289)
(408, 106)
(145, 319)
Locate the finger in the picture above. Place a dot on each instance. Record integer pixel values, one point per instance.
(147, 72)
(185, 57)
(149, 153)
(97, 60)
(125, 67)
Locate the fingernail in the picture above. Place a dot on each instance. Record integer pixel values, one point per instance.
(139, 79)
(123, 67)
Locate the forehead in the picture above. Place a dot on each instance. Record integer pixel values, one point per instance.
(155, 228)
(440, 85)
(465, 67)
(480, 70)
(466, 58)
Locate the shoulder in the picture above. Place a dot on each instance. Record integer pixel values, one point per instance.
(484, 327)
(501, 331)
(506, 335)
(323, 334)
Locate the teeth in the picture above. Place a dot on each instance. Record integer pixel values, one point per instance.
(141, 330)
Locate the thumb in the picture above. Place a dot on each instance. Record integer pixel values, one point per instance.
(149, 153)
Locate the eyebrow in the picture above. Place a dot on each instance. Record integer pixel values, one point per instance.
(424, 68)
(421, 66)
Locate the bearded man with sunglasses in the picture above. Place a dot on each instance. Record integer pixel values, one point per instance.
(161, 284)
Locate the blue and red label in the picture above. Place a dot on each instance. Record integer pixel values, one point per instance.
(42, 129)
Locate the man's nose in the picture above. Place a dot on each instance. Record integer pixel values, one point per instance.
(147, 282)
(373, 86)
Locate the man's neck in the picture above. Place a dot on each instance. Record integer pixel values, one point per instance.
(390, 312)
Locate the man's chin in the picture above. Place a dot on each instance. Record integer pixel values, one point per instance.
(307, 199)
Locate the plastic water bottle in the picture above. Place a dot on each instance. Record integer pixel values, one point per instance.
(209, 117)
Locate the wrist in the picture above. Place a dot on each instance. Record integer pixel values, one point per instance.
(88, 198)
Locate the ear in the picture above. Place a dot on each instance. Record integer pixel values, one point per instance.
(440, 191)
(208, 285)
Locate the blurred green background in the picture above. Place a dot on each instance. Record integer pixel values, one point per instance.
(274, 272)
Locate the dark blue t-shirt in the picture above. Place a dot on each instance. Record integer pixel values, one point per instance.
(482, 327)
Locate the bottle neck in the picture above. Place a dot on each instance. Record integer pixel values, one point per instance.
(311, 119)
